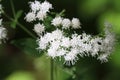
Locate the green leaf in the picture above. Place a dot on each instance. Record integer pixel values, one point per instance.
(21, 75)
(28, 46)
(47, 23)
(17, 16)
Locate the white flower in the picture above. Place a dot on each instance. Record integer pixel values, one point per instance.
(66, 23)
(65, 42)
(35, 6)
(55, 44)
(75, 40)
(96, 44)
(85, 37)
(42, 42)
(103, 58)
(57, 34)
(3, 34)
(71, 57)
(30, 17)
(57, 21)
(41, 15)
(76, 23)
(52, 52)
(108, 42)
(45, 6)
(39, 28)
(61, 52)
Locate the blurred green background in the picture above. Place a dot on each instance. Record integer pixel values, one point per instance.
(19, 59)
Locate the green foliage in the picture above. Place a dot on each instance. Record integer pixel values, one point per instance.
(111, 17)
(27, 45)
(17, 16)
(21, 75)
(92, 7)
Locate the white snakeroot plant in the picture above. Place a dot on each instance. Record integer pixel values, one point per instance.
(3, 31)
(57, 36)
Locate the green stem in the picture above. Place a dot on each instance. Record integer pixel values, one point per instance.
(18, 23)
(52, 69)
(13, 8)
(21, 26)
(55, 71)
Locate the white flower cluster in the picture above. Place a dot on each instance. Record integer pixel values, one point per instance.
(66, 23)
(38, 12)
(59, 43)
(3, 31)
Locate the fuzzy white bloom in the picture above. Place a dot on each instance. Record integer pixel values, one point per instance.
(57, 34)
(61, 52)
(109, 41)
(42, 42)
(71, 57)
(39, 28)
(65, 42)
(45, 6)
(3, 34)
(57, 21)
(3, 31)
(30, 17)
(35, 6)
(76, 23)
(52, 52)
(75, 40)
(85, 37)
(66, 23)
(96, 44)
(55, 44)
(41, 15)
(103, 58)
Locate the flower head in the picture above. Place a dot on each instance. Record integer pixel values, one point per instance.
(41, 15)
(76, 23)
(57, 21)
(39, 28)
(66, 23)
(35, 6)
(45, 6)
(30, 17)
(71, 57)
